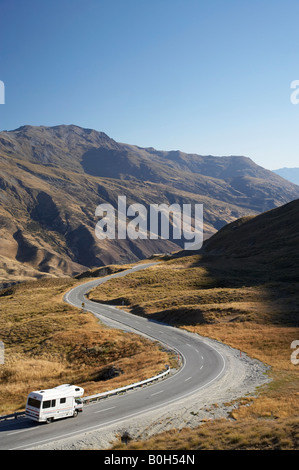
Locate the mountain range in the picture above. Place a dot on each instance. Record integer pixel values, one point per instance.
(290, 174)
(53, 178)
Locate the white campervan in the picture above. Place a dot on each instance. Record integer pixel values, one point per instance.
(60, 402)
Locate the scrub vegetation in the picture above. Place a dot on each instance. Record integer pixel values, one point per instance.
(48, 342)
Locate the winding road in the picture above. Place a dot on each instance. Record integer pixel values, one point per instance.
(202, 365)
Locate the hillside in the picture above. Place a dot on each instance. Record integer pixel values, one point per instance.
(53, 178)
(253, 261)
(46, 341)
(242, 290)
(266, 245)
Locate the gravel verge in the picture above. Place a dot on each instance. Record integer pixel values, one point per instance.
(244, 376)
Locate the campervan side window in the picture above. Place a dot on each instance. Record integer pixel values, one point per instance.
(62, 400)
(49, 403)
(33, 402)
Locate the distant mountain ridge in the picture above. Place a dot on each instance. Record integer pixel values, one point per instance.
(290, 174)
(53, 178)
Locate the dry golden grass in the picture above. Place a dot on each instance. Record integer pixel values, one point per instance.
(271, 345)
(48, 342)
(258, 318)
(224, 435)
(186, 292)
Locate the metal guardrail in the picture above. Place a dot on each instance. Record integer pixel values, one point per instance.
(116, 391)
(16, 415)
(99, 396)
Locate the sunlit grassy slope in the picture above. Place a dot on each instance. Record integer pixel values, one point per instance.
(47, 343)
(243, 289)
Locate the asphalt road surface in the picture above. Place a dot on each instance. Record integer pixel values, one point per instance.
(202, 365)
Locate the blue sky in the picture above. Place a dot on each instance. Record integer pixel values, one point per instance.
(207, 77)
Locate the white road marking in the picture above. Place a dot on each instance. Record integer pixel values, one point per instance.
(23, 430)
(136, 413)
(186, 380)
(106, 409)
(156, 393)
(97, 426)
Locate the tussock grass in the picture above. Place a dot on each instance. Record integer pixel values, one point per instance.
(225, 435)
(259, 318)
(48, 342)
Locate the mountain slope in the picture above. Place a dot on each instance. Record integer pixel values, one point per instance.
(53, 178)
(265, 245)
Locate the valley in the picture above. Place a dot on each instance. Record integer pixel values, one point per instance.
(53, 178)
(240, 289)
